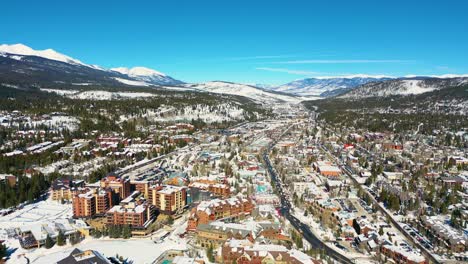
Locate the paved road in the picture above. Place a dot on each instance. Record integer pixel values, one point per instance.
(285, 210)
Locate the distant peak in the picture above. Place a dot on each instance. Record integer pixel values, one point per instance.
(138, 71)
(21, 49)
(354, 76)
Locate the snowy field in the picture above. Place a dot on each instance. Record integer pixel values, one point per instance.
(63, 121)
(43, 211)
(209, 114)
(99, 95)
(136, 250)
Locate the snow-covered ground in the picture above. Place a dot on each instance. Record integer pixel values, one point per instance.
(137, 250)
(254, 93)
(131, 82)
(209, 114)
(59, 121)
(50, 54)
(40, 212)
(60, 92)
(101, 95)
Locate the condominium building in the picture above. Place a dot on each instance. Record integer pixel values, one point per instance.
(218, 189)
(118, 185)
(92, 202)
(136, 214)
(208, 211)
(84, 205)
(64, 189)
(168, 199)
(140, 186)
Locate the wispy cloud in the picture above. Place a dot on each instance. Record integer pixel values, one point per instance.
(322, 75)
(342, 61)
(290, 71)
(260, 57)
(443, 68)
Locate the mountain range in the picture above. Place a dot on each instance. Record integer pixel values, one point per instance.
(369, 86)
(326, 85)
(48, 65)
(403, 86)
(22, 67)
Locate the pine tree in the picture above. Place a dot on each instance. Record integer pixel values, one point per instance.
(210, 254)
(61, 240)
(381, 231)
(3, 251)
(126, 232)
(49, 242)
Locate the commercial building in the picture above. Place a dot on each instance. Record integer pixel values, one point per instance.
(327, 169)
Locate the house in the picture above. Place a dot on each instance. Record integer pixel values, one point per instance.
(457, 160)
(244, 251)
(8, 178)
(400, 255)
(392, 146)
(78, 256)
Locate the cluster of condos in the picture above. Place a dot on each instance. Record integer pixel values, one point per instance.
(134, 203)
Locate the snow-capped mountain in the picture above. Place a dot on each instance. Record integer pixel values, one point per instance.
(324, 86)
(24, 65)
(147, 75)
(20, 49)
(404, 86)
(257, 94)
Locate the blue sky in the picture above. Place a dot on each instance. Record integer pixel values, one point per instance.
(249, 41)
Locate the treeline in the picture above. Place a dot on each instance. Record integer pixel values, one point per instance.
(105, 115)
(440, 198)
(113, 231)
(363, 113)
(38, 102)
(394, 102)
(296, 238)
(18, 163)
(25, 190)
(101, 172)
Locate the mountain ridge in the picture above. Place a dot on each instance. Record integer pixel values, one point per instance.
(403, 86)
(134, 77)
